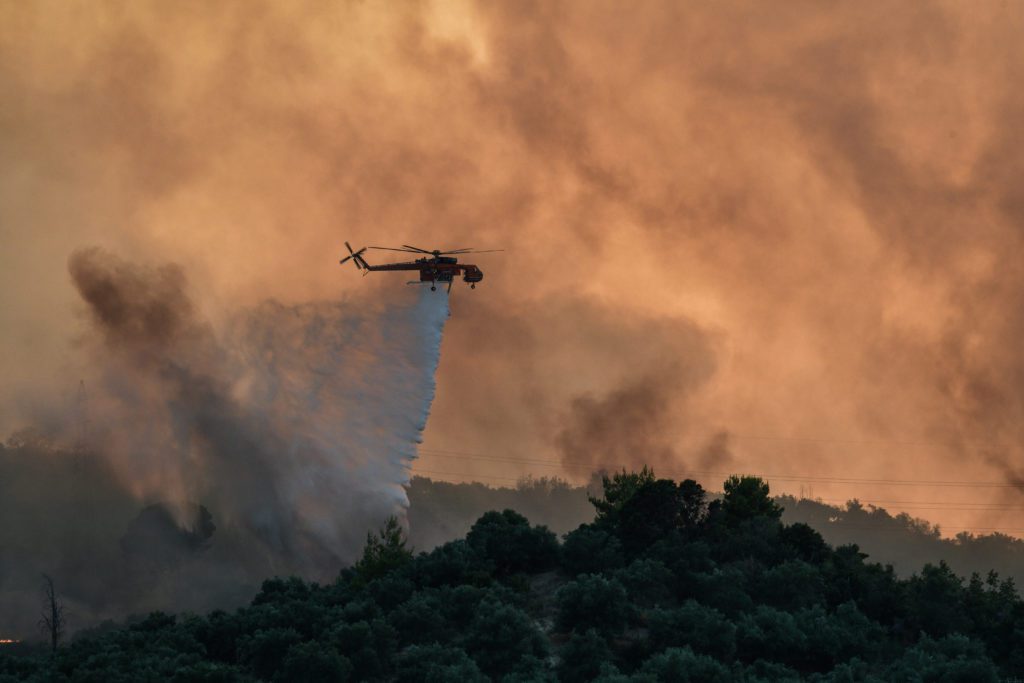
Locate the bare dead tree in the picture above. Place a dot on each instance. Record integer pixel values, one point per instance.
(52, 621)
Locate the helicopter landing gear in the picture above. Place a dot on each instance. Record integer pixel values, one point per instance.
(433, 288)
(472, 286)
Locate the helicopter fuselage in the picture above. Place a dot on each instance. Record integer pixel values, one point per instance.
(437, 269)
(436, 266)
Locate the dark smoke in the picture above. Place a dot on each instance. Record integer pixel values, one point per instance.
(163, 364)
(630, 426)
(133, 307)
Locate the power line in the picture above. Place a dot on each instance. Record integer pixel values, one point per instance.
(932, 505)
(917, 504)
(571, 464)
(857, 441)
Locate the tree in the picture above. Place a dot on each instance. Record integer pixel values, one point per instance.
(264, 651)
(704, 629)
(383, 553)
(642, 510)
(589, 550)
(52, 621)
(592, 601)
(747, 497)
(511, 544)
(584, 656)
(314, 662)
(437, 663)
(648, 582)
(693, 504)
(805, 543)
(935, 600)
(953, 658)
(501, 636)
(681, 665)
(619, 488)
(769, 634)
(368, 646)
(650, 514)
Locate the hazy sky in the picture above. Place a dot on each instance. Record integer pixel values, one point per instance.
(780, 238)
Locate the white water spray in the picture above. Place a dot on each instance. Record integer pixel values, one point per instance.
(349, 389)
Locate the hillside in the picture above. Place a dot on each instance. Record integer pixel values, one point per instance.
(663, 585)
(442, 511)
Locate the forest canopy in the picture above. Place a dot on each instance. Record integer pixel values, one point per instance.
(663, 585)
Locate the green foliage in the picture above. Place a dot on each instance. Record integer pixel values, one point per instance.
(724, 588)
(369, 647)
(804, 543)
(589, 550)
(264, 652)
(313, 663)
(383, 553)
(451, 564)
(593, 602)
(954, 658)
(703, 629)
(420, 619)
(648, 582)
(663, 587)
(507, 540)
(681, 665)
(651, 513)
(770, 634)
(642, 510)
(932, 598)
(747, 497)
(501, 637)
(437, 664)
(791, 585)
(584, 656)
(618, 489)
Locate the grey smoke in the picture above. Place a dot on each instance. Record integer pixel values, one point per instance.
(293, 426)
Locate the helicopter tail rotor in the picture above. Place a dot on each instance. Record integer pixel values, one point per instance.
(356, 257)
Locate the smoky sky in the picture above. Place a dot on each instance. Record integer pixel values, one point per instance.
(799, 222)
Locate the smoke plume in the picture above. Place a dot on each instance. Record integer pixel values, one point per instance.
(268, 444)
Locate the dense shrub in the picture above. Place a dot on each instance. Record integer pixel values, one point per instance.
(593, 602)
(508, 541)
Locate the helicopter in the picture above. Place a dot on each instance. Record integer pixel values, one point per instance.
(434, 266)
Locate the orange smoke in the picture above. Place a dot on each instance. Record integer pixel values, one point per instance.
(811, 212)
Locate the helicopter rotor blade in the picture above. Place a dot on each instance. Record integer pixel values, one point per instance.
(417, 249)
(407, 251)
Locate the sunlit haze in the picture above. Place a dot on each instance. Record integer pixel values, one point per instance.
(781, 238)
